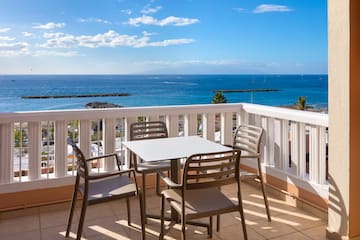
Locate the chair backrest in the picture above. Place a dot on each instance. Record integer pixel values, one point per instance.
(247, 138)
(81, 166)
(211, 170)
(148, 130)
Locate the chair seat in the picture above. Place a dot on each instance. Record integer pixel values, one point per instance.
(111, 187)
(152, 167)
(201, 202)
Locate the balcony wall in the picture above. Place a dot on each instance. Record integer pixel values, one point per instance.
(35, 158)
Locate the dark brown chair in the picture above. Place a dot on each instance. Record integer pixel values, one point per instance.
(200, 194)
(143, 131)
(247, 138)
(98, 188)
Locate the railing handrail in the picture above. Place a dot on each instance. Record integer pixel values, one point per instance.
(314, 118)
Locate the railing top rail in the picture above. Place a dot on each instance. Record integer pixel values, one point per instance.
(315, 118)
(116, 112)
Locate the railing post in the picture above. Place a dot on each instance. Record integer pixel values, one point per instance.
(60, 148)
(6, 152)
(109, 135)
(226, 128)
(208, 124)
(190, 124)
(34, 150)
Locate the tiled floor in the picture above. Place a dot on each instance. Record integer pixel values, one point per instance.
(108, 221)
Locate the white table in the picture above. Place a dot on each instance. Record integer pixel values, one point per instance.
(173, 148)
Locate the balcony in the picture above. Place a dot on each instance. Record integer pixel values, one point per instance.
(37, 167)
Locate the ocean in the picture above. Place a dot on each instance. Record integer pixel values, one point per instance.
(157, 90)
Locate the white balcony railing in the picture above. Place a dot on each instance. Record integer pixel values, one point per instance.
(34, 153)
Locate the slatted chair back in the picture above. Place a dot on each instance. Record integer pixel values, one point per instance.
(81, 165)
(247, 138)
(148, 130)
(211, 170)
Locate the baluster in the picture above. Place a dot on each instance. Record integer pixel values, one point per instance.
(209, 126)
(127, 122)
(284, 145)
(172, 124)
(85, 138)
(34, 150)
(313, 153)
(109, 135)
(294, 148)
(6, 153)
(322, 155)
(226, 128)
(302, 151)
(60, 148)
(190, 124)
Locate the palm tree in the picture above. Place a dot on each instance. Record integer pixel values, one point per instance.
(301, 104)
(219, 98)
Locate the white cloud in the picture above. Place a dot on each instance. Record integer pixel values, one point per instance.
(4, 30)
(238, 9)
(96, 20)
(50, 25)
(26, 34)
(6, 38)
(264, 8)
(53, 35)
(14, 49)
(109, 39)
(174, 21)
(149, 10)
(55, 53)
(127, 11)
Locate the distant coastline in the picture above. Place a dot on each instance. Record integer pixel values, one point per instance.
(246, 90)
(78, 96)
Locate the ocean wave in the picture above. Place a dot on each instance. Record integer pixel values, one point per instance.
(181, 83)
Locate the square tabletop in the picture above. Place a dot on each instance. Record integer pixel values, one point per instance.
(173, 147)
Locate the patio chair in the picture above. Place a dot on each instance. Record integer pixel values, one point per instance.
(98, 188)
(200, 194)
(143, 131)
(247, 138)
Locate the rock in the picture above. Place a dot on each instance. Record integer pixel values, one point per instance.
(102, 105)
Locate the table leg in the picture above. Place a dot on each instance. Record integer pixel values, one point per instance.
(175, 165)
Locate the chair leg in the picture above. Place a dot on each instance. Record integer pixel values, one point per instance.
(157, 185)
(162, 218)
(142, 217)
(82, 218)
(183, 226)
(264, 192)
(128, 211)
(241, 211)
(218, 223)
(72, 208)
(143, 176)
(210, 227)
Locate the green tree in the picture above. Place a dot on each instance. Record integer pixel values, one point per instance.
(219, 98)
(301, 104)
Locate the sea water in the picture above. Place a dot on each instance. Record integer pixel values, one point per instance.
(157, 90)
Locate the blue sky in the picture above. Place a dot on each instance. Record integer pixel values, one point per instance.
(163, 36)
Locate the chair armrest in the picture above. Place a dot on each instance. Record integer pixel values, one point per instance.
(168, 181)
(228, 145)
(102, 156)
